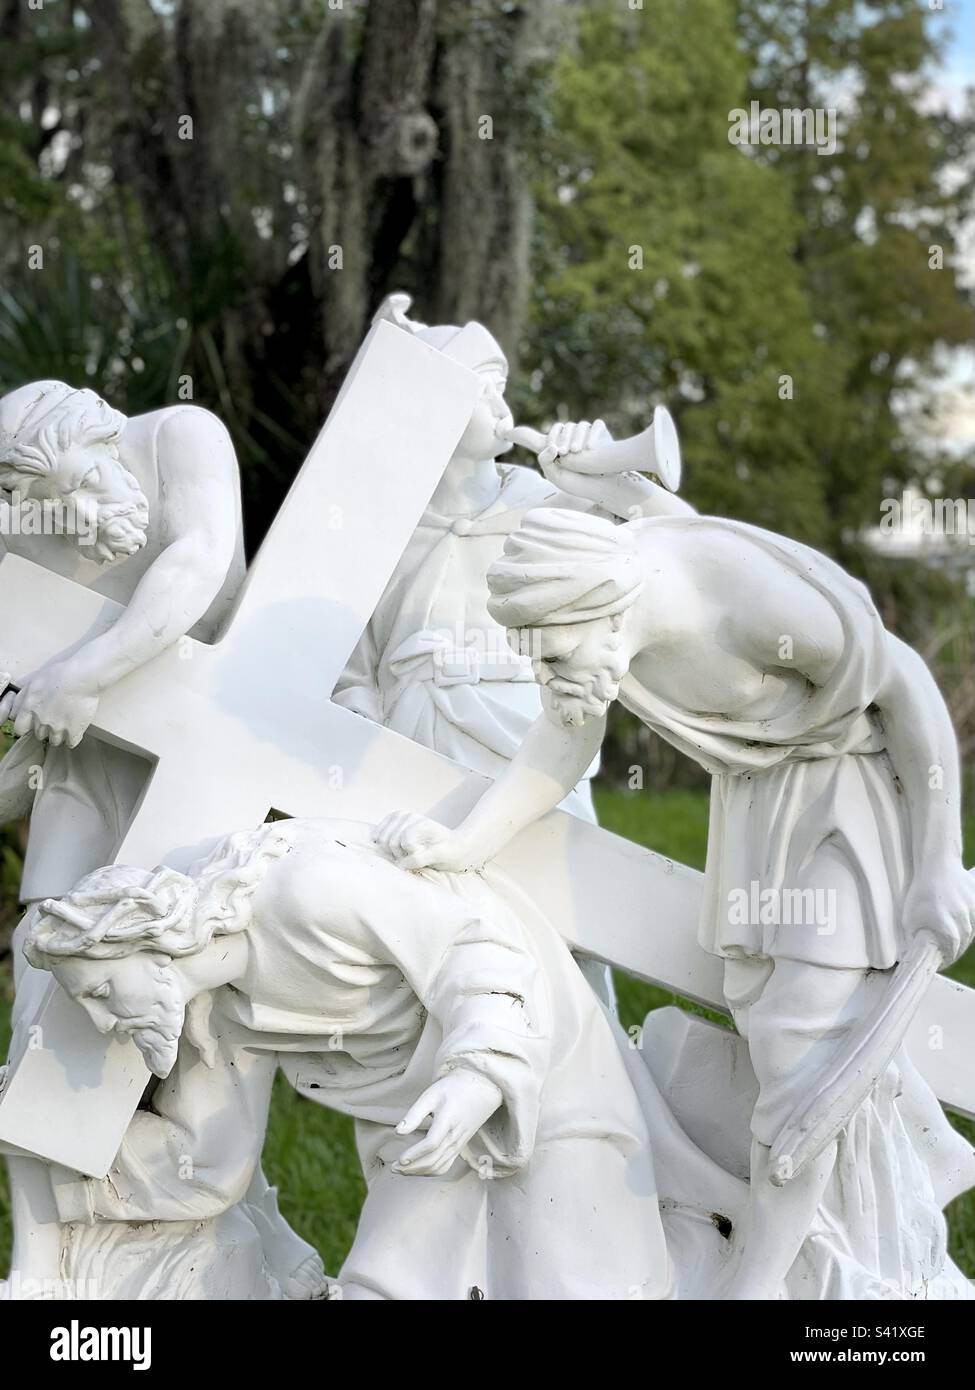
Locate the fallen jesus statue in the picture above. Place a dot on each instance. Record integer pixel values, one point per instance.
(513, 1142)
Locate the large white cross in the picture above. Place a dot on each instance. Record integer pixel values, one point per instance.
(246, 726)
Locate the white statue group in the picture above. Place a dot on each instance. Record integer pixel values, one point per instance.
(259, 842)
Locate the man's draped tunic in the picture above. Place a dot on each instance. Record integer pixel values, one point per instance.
(392, 980)
(785, 786)
(433, 664)
(815, 778)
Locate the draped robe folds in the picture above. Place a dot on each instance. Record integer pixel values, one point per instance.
(433, 664)
(365, 983)
(783, 786)
(815, 776)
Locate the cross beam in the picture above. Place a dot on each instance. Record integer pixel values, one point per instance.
(246, 726)
(611, 898)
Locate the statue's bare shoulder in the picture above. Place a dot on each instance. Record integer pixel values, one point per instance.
(198, 478)
(192, 443)
(720, 579)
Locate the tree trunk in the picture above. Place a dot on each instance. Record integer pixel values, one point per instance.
(295, 163)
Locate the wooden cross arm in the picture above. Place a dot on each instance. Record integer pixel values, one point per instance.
(222, 763)
(610, 898)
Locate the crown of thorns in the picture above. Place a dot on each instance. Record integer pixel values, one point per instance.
(154, 900)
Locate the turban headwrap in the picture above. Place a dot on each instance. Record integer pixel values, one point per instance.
(561, 567)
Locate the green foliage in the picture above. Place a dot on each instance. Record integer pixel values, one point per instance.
(782, 306)
(669, 263)
(869, 216)
(758, 265)
(87, 328)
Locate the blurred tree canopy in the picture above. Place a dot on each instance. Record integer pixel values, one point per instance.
(783, 303)
(223, 190)
(757, 265)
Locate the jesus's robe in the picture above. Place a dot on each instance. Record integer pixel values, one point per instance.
(366, 983)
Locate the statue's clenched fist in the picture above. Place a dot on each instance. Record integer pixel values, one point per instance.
(58, 703)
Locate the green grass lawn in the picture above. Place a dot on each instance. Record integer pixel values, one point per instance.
(310, 1153)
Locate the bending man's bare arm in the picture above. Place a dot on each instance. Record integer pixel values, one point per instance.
(923, 750)
(549, 763)
(198, 522)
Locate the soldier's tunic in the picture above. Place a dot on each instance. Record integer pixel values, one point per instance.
(433, 664)
(783, 787)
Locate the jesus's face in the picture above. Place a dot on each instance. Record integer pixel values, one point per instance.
(137, 996)
(111, 510)
(580, 665)
(484, 437)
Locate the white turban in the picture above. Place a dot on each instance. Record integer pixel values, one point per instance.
(563, 567)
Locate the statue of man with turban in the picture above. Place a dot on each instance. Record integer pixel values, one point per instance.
(769, 666)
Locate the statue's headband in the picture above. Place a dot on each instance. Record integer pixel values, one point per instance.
(23, 412)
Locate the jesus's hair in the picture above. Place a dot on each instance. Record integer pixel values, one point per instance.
(119, 910)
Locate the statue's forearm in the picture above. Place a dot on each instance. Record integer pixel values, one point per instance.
(173, 595)
(627, 496)
(924, 752)
(547, 766)
(631, 496)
